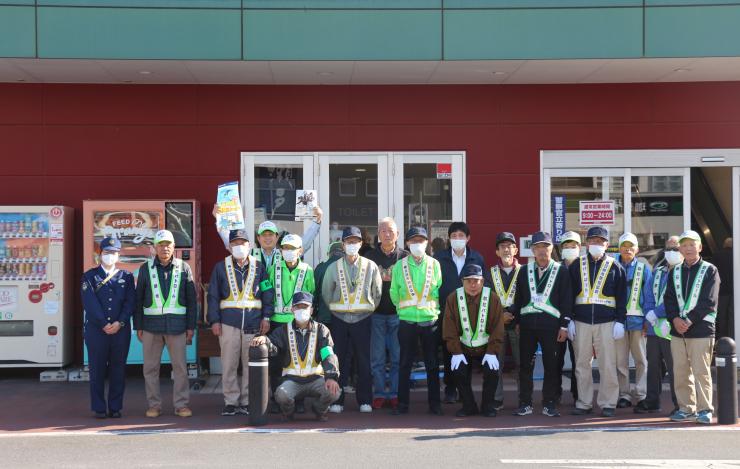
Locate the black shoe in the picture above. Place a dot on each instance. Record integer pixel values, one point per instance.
(114, 414)
(498, 405)
(450, 395)
(228, 410)
(607, 412)
(400, 410)
(300, 408)
(288, 417)
(100, 415)
(489, 413)
(579, 411)
(436, 410)
(242, 410)
(641, 408)
(623, 403)
(274, 408)
(550, 411)
(523, 410)
(466, 413)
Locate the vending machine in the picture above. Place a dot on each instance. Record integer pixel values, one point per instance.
(36, 286)
(134, 223)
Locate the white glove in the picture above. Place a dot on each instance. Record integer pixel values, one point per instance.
(456, 360)
(572, 330)
(651, 318)
(491, 361)
(618, 330)
(665, 327)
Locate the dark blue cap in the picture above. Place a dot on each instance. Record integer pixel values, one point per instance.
(505, 236)
(598, 232)
(416, 231)
(351, 232)
(238, 234)
(471, 271)
(302, 297)
(110, 244)
(541, 237)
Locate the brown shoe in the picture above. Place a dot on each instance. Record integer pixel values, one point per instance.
(183, 412)
(153, 412)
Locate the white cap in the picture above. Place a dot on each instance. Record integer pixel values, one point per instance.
(628, 237)
(292, 240)
(267, 226)
(164, 235)
(570, 236)
(689, 234)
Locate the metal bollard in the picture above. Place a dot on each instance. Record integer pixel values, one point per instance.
(259, 385)
(726, 362)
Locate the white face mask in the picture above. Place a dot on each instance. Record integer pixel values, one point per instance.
(109, 258)
(596, 250)
(302, 314)
(418, 249)
(458, 244)
(570, 254)
(290, 255)
(352, 249)
(673, 257)
(240, 251)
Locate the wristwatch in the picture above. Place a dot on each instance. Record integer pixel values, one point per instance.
(121, 323)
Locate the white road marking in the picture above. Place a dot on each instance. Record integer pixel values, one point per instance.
(629, 463)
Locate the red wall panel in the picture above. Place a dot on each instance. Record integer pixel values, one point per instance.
(60, 144)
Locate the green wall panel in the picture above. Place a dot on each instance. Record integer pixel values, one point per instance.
(692, 31)
(335, 4)
(17, 31)
(482, 4)
(130, 33)
(342, 35)
(146, 3)
(543, 34)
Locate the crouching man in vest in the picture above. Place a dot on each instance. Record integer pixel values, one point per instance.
(165, 314)
(239, 307)
(310, 367)
(473, 331)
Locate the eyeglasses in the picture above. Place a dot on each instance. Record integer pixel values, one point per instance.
(671, 249)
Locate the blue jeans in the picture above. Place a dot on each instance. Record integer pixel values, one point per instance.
(384, 337)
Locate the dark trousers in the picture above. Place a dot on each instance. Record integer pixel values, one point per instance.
(448, 377)
(107, 356)
(463, 377)
(409, 336)
(660, 362)
(354, 337)
(275, 365)
(561, 363)
(528, 340)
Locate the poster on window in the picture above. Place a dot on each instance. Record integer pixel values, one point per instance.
(597, 212)
(229, 215)
(305, 203)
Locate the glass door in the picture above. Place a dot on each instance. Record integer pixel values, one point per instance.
(428, 191)
(353, 190)
(268, 189)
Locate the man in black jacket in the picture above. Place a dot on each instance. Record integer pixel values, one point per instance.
(542, 310)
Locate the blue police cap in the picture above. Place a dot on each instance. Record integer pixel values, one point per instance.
(238, 234)
(302, 297)
(351, 232)
(598, 232)
(541, 237)
(505, 236)
(416, 231)
(472, 271)
(110, 244)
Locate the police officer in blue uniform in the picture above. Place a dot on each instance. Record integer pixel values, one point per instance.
(109, 298)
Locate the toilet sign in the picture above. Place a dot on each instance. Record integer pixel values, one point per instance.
(597, 212)
(444, 170)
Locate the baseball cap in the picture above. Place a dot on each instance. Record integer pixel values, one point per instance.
(267, 226)
(164, 236)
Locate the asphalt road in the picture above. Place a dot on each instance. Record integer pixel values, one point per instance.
(711, 448)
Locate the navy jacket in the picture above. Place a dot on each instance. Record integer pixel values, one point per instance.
(168, 324)
(451, 280)
(247, 320)
(616, 286)
(110, 302)
(701, 325)
(561, 298)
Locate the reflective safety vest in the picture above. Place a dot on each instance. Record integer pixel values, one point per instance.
(172, 304)
(283, 311)
(540, 302)
(506, 297)
(277, 256)
(479, 337)
(634, 308)
(356, 301)
(594, 296)
(307, 366)
(684, 306)
(414, 298)
(659, 293)
(244, 298)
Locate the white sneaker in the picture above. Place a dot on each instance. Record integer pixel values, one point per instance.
(366, 408)
(336, 409)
